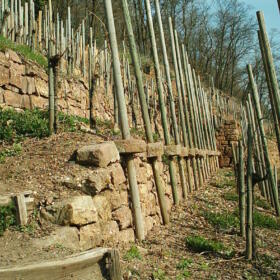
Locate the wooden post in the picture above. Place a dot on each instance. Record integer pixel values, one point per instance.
(249, 226)
(138, 219)
(51, 89)
(163, 107)
(169, 83)
(270, 90)
(264, 141)
(270, 64)
(241, 187)
(144, 109)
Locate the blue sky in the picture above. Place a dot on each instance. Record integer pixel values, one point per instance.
(270, 10)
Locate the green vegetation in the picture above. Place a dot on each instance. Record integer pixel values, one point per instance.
(23, 50)
(137, 132)
(225, 183)
(132, 253)
(13, 151)
(15, 126)
(265, 221)
(183, 265)
(199, 244)
(262, 203)
(221, 220)
(231, 196)
(159, 275)
(7, 217)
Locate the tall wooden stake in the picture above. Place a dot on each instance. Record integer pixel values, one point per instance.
(138, 219)
(144, 109)
(264, 141)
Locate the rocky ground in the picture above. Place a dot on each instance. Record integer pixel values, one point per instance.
(166, 255)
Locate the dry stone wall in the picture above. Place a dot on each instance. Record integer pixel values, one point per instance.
(102, 213)
(24, 85)
(227, 135)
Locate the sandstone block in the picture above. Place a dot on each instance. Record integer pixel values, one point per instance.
(90, 236)
(66, 236)
(39, 102)
(98, 181)
(13, 56)
(131, 146)
(100, 155)
(149, 224)
(126, 235)
(184, 152)
(103, 207)
(4, 75)
(12, 99)
(79, 210)
(117, 174)
(154, 150)
(110, 231)
(123, 216)
(172, 150)
(41, 87)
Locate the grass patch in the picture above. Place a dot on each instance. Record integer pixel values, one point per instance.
(23, 50)
(225, 183)
(132, 253)
(183, 266)
(230, 196)
(159, 275)
(15, 126)
(199, 244)
(221, 220)
(7, 217)
(13, 151)
(262, 204)
(265, 221)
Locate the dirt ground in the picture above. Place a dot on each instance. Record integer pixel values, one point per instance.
(164, 255)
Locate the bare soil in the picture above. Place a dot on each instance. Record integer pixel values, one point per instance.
(165, 248)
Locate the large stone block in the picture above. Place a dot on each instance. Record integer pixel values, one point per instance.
(100, 155)
(123, 216)
(79, 210)
(103, 207)
(116, 198)
(12, 99)
(154, 150)
(131, 146)
(110, 231)
(41, 87)
(99, 180)
(90, 236)
(117, 174)
(126, 235)
(66, 236)
(39, 102)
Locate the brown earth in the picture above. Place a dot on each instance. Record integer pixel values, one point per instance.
(165, 248)
(42, 161)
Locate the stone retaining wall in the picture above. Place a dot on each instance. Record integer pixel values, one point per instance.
(103, 212)
(24, 85)
(227, 134)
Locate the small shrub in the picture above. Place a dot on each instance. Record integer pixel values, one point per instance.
(262, 203)
(221, 220)
(15, 126)
(199, 244)
(184, 263)
(7, 217)
(132, 253)
(265, 221)
(15, 150)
